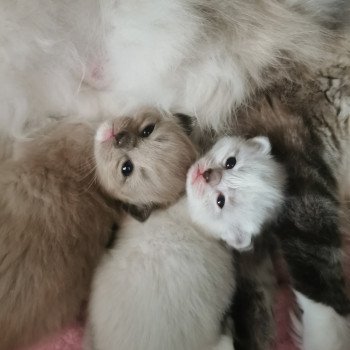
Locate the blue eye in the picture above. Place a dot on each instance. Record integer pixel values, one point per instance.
(220, 200)
(230, 162)
(127, 168)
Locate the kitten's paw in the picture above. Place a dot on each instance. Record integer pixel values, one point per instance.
(323, 328)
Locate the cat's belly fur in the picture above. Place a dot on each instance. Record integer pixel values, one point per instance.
(163, 286)
(105, 57)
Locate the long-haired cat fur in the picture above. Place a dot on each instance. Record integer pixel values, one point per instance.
(307, 121)
(167, 284)
(200, 57)
(310, 135)
(57, 212)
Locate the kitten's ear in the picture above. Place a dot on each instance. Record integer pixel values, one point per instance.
(186, 122)
(262, 143)
(139, 212)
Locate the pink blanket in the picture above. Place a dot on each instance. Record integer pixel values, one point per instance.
(68, 339)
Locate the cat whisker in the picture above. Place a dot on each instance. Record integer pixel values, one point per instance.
(92, 181)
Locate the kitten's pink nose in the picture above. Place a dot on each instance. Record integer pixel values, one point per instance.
(212, 176)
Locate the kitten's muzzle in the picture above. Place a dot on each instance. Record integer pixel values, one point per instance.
(212, 176)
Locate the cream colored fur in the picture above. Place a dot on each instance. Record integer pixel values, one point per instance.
(56, 218)
(164, 285)
(201, 57)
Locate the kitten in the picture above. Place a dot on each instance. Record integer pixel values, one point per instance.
(201, 57)
(165, 284)
(235, 193)
(56, 217)
(235, 188)
(153, 154)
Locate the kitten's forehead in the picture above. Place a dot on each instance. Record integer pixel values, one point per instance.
(133, 124)
(224, 147)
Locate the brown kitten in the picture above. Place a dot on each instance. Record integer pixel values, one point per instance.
(56, 219)
(157, 151)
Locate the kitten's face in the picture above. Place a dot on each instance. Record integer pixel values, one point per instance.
(234, 189)
(143, 159)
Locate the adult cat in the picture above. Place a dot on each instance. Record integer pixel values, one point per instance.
(200, 57)
(312, 139)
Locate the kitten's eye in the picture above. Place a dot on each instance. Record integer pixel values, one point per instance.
(220, 201)
(147, 130)
(127, 168)
(230, 162)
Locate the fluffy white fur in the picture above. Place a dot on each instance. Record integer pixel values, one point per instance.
(253, 190)
(99, 57)
(163, 286)
(323, 328)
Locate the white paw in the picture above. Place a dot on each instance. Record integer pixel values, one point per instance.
(323, 328)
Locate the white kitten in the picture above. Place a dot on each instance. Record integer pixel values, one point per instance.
(235, 189)
(167, 283)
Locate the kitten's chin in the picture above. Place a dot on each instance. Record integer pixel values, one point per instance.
(241, 242)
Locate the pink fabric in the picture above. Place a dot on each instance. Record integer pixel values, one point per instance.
(68, 339)
(284, 340)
